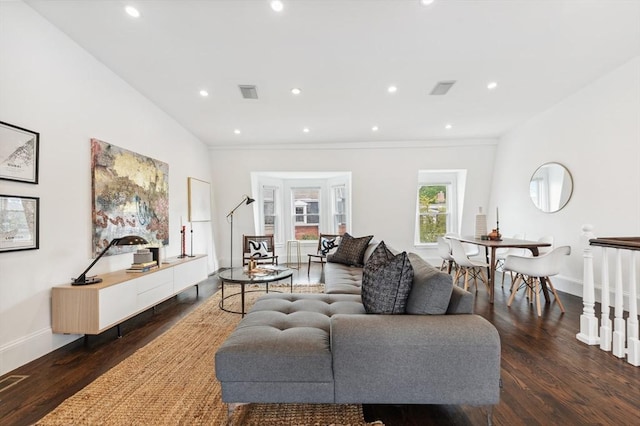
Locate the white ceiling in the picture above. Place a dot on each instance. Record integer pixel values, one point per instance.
(344, 54)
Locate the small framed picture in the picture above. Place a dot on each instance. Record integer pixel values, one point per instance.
(19, 223)
(18, 153)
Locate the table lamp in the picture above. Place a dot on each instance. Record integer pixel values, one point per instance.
(129, 240)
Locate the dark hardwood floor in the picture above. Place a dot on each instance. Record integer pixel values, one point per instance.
(549, 378)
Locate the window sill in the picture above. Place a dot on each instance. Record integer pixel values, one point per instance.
(425, 245)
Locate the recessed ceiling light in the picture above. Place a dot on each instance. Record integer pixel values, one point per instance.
(392, 89)
(374, 129)
(306, 130)
(132, 11)
(448, 126)
(277, 5)
(237, 131)
(492, 85)
(296, 91)
(427, 2)
(204, 93)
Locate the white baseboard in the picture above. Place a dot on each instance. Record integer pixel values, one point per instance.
(28, 348)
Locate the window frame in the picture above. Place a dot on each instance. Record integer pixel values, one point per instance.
(276, 217)
(454, 181)
(284, 182)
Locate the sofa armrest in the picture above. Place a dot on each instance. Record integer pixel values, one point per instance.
(415, 359)
(461, 301)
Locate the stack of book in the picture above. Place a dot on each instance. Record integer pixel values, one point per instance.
(143, 266)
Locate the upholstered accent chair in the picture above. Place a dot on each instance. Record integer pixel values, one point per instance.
(259, 248)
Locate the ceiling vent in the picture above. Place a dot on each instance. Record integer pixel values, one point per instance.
(248, 91)
(442, 87)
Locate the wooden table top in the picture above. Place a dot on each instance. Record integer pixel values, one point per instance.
(505, 242)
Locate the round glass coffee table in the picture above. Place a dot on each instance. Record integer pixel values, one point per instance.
(262, 275)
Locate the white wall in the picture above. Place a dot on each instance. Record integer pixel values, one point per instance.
(596, 134)
(50, 85)
(384, 185)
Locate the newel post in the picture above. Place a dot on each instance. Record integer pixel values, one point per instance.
(588, 321)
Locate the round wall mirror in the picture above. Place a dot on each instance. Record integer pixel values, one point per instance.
(551, 187)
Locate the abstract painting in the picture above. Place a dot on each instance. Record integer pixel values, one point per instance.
(130, 196)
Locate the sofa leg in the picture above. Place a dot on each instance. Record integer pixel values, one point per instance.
(230, 409)
(490, 415)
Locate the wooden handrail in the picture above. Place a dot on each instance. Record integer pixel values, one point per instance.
(628, 243)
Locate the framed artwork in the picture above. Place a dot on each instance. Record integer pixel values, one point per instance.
(19, 223)
(199, 200)
(130, 197)
(18, 153)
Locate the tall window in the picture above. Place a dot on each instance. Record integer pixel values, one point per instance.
(306, 213)
(433, 212)
(438, 199)
(339, 209)
(269, 210)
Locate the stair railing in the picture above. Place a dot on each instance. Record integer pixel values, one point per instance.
(621, 336)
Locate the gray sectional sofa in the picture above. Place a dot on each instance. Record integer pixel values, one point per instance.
(325, 348)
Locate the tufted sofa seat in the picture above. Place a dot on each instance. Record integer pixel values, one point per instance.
(342, 279)
(283, 349)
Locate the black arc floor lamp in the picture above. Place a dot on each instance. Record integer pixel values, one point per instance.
(246, 200)
(129, 240)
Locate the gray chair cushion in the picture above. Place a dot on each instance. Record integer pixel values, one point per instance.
(431, 290)
(351, 250)
(386, 285)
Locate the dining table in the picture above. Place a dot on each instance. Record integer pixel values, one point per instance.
(491, 246)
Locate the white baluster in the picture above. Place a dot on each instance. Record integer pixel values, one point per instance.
(588, 321)
(605, 321)
(633, 351)
(619, 335)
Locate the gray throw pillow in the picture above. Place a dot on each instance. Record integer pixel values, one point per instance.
(351, 250)
(386, 285)
(380, 256)
(431, 290)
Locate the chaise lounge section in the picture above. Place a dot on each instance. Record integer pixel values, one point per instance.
(326, 348)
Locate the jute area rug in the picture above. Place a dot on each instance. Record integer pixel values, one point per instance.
(171, 381)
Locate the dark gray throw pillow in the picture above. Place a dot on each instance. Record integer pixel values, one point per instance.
(379, 256)
(351, 250)
(431, 290)
(386, 285)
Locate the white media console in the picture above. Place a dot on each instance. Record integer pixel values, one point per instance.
(94, 308)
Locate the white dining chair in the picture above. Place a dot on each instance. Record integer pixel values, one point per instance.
(444, 251)
(531, 269)
(469, 267)
(546, 239)
(501, 255)
(471, 250)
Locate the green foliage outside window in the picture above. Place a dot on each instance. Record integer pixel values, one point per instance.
(432, 201)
